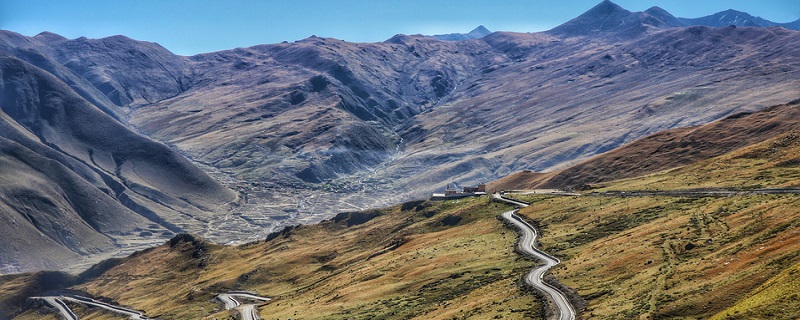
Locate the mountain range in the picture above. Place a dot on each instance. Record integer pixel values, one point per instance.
(115, 144)
(608, 15)
(611, 19)
(737, 18)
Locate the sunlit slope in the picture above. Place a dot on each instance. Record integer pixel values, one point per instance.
(775, 298)
(774, 163)
(665, 150)
(682, 257)
(422, 260)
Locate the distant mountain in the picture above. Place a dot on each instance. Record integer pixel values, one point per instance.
(663, 15)
(737, 18)
(476, 33)
(609, 19)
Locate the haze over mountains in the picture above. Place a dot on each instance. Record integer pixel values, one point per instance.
(307, 129)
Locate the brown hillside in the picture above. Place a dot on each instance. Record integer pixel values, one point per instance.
(666, 150)
(523, 180)
(421, 260)
(684, 257)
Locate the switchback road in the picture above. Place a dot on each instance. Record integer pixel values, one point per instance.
(526, 244)
(58, 302)
(60, 305)
(131, 314)
(248, 311)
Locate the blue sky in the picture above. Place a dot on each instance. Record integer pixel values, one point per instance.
(190, 27)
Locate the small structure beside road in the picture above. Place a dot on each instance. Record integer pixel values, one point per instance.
(453, 193)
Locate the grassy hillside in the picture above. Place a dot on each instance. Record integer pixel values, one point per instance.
(774, 163)
(678, 257)
(425, 260)
(666, 150)
(776, 297)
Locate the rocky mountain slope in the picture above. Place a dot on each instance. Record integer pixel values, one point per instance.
(307, 129)
(405, 115)
(77, 182)
(437, 112)
(595, 98)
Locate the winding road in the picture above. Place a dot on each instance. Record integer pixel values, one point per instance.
(60, 305)
(64, 310)
(248, 311)
(527, 242)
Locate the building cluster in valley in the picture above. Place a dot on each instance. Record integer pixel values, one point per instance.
(453, 193)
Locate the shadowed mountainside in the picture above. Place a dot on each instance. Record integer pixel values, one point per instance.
(78, 182)
(112, 73)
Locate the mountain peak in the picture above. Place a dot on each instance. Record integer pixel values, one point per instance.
(609, 19)
(730, 17)
(49, 36)
(656, 10)
(733, 11)
(606, 7)
(663, 17)
(738, 18)
(605, 16)
(479, 32)
(476, 33)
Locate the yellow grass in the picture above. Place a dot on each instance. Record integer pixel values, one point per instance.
(778, 298)
(402, 264)
(771, 164)
(688, 258)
